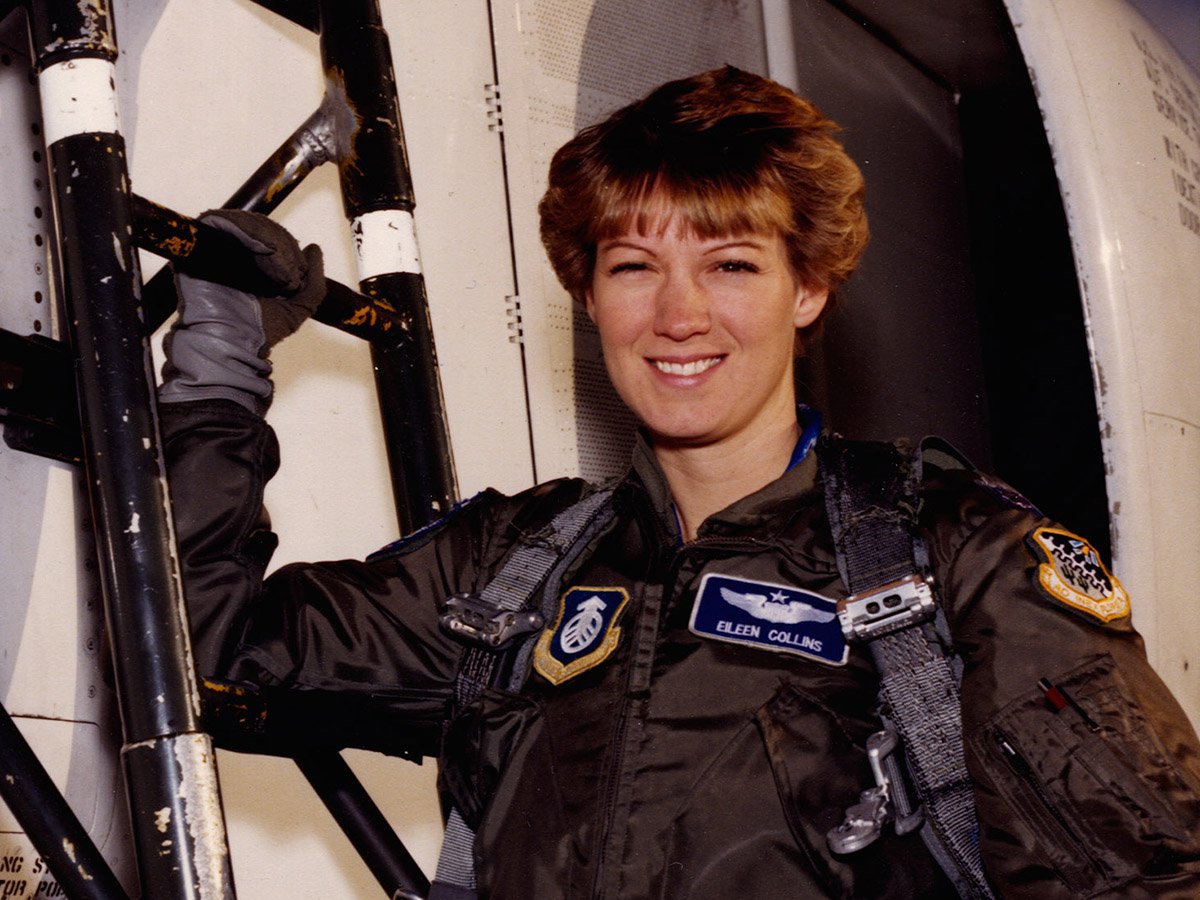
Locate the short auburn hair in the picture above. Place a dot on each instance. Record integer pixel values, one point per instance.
(727, 151)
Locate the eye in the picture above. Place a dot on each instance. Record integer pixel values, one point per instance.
(736, 265)
(626, 267)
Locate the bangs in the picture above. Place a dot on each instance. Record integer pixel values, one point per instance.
(708, 208)
(723, 152)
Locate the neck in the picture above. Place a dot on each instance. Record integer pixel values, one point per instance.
(706, 479)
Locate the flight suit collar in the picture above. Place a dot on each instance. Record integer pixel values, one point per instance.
(762, 513)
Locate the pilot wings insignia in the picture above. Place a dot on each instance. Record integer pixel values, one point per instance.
(777, 608)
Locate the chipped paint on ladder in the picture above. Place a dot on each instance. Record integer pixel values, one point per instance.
(201, 796)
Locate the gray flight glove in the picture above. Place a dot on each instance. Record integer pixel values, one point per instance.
(217, 348)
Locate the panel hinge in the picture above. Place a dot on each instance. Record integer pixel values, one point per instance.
(512, 309)
(495, 117)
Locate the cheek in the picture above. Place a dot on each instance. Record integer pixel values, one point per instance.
(775, 327)
(766, 332)
(619, 324)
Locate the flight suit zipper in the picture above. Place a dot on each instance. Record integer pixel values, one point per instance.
(619, 778)
(618, 793)
(1045, 808)
(1021, 768)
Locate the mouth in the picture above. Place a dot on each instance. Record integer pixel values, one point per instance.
(691, 367)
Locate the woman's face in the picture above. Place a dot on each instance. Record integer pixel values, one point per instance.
(698, 333)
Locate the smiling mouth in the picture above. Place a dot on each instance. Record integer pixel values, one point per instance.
(694, 367)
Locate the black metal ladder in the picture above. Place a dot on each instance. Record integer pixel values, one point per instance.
(167, 752)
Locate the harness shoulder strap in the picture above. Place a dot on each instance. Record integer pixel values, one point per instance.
(501, 621)
(871, 497)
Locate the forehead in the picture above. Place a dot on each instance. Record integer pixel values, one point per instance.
(665, 220)
(702, 211)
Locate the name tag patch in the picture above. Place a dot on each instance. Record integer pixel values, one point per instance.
(584, 635)
(769, 616)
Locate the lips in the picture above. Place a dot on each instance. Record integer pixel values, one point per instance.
(690, 367)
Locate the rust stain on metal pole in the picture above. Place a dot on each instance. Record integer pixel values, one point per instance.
(177, 246)
(97, 31)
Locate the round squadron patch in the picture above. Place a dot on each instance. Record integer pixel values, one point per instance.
(584, 635)
(1074, 574)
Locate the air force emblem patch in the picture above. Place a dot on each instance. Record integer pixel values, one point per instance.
(1074, 574)
(769, 616)
(585, 634)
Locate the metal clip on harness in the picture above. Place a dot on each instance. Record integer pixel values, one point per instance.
(887, 609)
(864, 617)
(872, 499)
(886, 802)
(474, 619)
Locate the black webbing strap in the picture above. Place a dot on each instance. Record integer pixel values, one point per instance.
(871, 500)
(530, 577)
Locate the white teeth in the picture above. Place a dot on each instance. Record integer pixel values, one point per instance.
(688, 368)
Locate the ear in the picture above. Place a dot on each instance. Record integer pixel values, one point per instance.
(589, 305)
(810, 302)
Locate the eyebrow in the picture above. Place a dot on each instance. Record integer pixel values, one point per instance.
(739, 242)
(612, 243)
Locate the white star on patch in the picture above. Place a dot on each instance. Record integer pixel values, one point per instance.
(776, 608)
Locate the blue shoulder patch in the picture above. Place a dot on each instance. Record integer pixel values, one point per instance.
(769, 616)
(585, 634)
(424, 534)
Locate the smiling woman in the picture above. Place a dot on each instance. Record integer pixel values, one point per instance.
(739, 636)
(704, 228)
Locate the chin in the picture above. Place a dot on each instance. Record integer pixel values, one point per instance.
(679, 435)
(679, 422)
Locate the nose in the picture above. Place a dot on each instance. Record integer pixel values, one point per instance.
(681, 309)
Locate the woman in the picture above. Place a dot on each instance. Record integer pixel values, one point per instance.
(693, 723)
(676, 224)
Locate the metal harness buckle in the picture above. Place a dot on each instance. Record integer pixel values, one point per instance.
(469, 617)
(886, 609)
(878, 805)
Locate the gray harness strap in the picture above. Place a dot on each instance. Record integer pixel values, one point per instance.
(491, 619)
(871, 500)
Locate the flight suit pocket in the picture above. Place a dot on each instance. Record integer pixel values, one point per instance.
(819, 763)
(1097, 798)
(733, 796)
